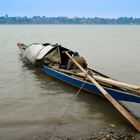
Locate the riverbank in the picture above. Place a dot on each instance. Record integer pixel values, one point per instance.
(110, 133)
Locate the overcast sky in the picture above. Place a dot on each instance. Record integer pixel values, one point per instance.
(71, 8)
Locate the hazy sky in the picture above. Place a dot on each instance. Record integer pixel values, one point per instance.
(71, 8)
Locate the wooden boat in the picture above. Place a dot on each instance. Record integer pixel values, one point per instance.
(52, 60)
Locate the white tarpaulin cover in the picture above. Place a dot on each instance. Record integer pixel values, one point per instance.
(37, 51)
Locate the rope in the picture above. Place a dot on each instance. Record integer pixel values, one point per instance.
(71, 102)
(69, 106)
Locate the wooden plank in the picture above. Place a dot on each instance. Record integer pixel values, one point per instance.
(116, 104)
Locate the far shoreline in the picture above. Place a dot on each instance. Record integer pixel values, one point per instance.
(78, 24)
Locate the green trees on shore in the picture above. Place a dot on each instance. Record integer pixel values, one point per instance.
(65, 20)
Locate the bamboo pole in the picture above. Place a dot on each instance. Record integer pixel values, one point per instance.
(105, 80)
(116, 83)
(116, 104)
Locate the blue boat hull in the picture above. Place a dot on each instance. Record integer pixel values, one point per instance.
(116, 94)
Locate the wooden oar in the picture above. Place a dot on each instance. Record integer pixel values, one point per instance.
(116, 104)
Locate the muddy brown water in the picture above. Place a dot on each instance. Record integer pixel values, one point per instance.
(31, 103)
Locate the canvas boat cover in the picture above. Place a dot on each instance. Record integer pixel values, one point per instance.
(37, 51)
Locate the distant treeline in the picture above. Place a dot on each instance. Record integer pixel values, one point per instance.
(65, 20)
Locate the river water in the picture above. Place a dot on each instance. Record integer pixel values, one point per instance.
(32, 103)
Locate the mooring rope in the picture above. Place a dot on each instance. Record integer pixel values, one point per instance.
(71, 102)
(69, 106)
